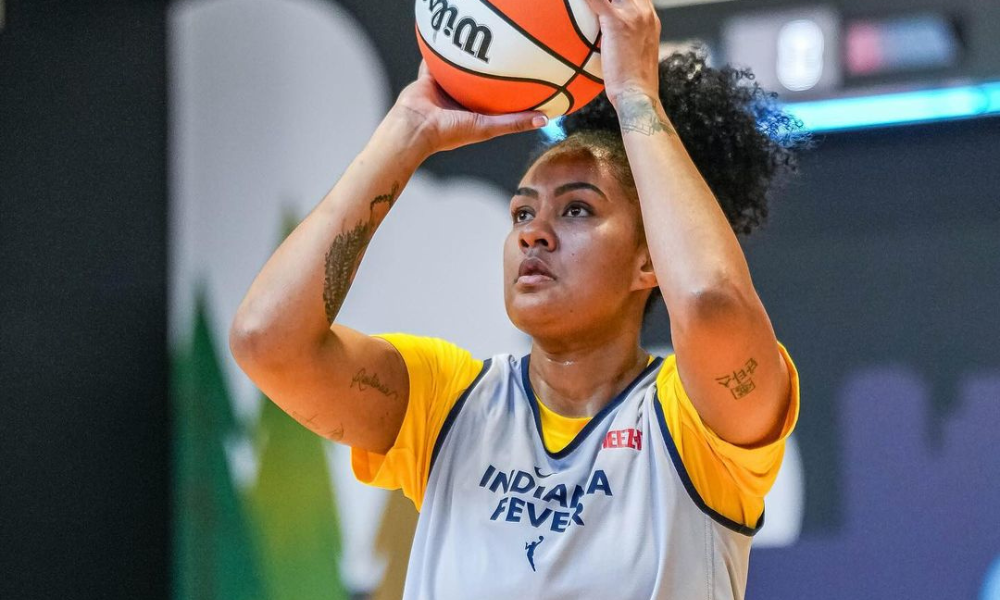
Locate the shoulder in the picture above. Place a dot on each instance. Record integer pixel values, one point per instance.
(731, 480)
(432, 357)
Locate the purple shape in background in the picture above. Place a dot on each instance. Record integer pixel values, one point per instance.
(920, 522)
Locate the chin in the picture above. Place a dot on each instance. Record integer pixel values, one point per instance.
(536, 315)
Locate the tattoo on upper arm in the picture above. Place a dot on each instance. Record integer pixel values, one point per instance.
(336, 434)
(346, 251)
(638, 114)
(740, 382)
(365, 381)
(308, 422)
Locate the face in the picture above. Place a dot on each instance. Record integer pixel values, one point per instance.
(574, 261)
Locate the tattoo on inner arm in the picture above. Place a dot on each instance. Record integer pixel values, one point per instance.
(336, 434)
(365, 381)
(308, 422)
(346, 251)
(740, 382)
(638, 114)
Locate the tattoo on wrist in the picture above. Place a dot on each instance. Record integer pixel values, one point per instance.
(637, 113)
(346, 251)
(740, 382)
(365, 381)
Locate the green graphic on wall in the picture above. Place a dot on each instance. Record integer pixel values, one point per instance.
(279, 538)
(215, 554)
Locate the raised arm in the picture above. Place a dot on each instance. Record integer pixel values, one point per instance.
(340, 383)
(727, 355)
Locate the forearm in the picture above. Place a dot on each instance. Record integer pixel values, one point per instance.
(718, 325)
(298, 293)
(694, 250)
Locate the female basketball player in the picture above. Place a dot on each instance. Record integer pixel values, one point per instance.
(588, 469)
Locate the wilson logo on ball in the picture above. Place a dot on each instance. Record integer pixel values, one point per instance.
(470, 36)
(504, 56)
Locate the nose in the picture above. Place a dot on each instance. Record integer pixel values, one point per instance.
(537, 232)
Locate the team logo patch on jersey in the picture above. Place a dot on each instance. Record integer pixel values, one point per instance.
(623, 438)
(529, 547)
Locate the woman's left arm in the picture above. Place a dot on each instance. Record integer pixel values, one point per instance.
(727, 355)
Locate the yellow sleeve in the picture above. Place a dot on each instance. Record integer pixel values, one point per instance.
(732, 480)
(439, 372)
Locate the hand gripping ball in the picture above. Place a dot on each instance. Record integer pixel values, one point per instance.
(503, 56)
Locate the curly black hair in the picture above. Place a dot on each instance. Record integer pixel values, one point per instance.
(735, 132)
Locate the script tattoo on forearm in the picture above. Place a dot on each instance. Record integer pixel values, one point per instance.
(740, 382)
(365, 381)
(346, 251)
(638, 114)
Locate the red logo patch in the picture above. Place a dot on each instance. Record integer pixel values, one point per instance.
(623, 438)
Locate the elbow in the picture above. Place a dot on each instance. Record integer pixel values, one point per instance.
(719, 304)
(244, 341)
(251, 343)
(258, 344)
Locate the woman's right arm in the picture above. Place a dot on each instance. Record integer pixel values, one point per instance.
(340, 383)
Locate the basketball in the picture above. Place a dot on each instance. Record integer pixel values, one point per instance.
(504, 56)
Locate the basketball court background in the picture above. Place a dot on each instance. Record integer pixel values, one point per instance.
(879, 269)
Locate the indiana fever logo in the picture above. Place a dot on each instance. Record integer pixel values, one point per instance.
(473, 38)
(526, 500)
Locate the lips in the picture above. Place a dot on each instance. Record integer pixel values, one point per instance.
(534, 266)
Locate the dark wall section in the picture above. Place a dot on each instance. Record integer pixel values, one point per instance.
(83, 382)
(885, 252)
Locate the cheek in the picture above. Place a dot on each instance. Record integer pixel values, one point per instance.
(601, 256)
(511, 256)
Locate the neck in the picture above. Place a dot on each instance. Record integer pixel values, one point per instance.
(579, 379)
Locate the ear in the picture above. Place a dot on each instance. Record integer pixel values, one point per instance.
(645, 276)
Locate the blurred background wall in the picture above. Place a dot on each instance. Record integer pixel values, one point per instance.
(84, 461)
(147, 143)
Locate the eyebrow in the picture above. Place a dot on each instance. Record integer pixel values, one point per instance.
(564, 188)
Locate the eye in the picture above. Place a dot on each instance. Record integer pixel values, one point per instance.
(520, 215)
(578, 210)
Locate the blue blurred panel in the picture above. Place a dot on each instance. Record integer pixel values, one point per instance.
(893, 109)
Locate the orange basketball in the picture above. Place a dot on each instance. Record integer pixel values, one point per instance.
(502, 56)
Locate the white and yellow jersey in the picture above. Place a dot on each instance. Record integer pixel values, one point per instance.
(640, 501)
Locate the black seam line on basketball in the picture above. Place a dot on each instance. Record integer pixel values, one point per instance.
(585, 61)
(480, 73)
(566, 87)
(547, 100)
(579, 32)
(562, 90)
(536, 41)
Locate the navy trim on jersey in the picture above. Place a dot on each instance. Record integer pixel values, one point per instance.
(593, 423)
(675, 457)
(453, 413)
